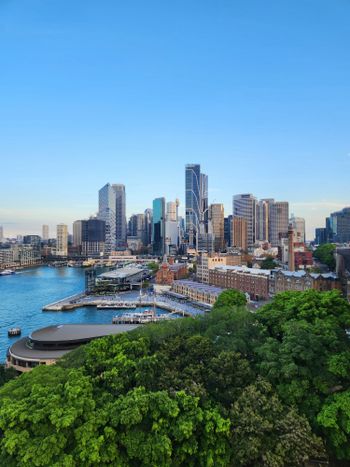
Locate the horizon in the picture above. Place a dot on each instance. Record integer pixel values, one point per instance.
(259, 94)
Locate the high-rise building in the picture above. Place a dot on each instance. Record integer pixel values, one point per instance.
(228, 230)
(148, 215)
(45, 233)
(240, 232)
(172, 210)
(193, 202)
(204, 202)
(1, 233)
(62, 240)
(298, 226)
(77, 233)
(107, 213)
(339, 223)
(158, 227)
(278, 222)
(244, 206)
(172, 231)
(263, 209)
(216, 222)
(320, 235)
(120, 215)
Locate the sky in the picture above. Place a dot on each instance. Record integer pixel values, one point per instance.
(129, 92)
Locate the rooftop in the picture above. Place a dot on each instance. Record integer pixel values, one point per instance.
(121, 273)
(199, 286)
(245, 269)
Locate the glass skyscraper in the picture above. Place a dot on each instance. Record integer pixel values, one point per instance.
(196, 203)
(158, 228)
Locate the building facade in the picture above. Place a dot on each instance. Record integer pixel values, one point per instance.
(216, 221)
(62, 240)
(158, 226)
(240, 232)
(278, 222)
(244, 206)
(120, 215)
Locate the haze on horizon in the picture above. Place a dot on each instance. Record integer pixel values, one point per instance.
(93, 92)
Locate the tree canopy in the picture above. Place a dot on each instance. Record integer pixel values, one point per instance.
(325, 254)
(233, 387)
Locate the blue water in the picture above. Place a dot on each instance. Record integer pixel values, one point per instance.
(23, 295)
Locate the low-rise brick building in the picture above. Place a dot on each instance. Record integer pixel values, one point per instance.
(196, 291)
(169, 272)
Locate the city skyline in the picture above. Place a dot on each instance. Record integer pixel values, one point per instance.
(257, 94)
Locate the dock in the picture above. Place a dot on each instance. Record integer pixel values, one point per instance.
(83, 300)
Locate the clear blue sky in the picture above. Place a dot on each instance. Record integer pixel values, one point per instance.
(258, 92)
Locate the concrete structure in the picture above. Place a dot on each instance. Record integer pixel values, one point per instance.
(228, 230)
(197, 292)
(45, 233)
(45, 346)
(122, 277)
(253, 281)
(216, 225)
(263, 219)
(291, 261)
(340, 226)
(62, 240)
(240, 232)
(244, 206)
(17, 256)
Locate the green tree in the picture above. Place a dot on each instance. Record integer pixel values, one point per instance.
(268, 434)
(230, 298)
(325, 254)
(268, 263)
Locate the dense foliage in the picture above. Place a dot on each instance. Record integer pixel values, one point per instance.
(232, 388)
(268, 263)
(325, 254)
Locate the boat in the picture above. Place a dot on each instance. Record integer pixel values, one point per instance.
(111, 306)
(7, 272)
(12, 332)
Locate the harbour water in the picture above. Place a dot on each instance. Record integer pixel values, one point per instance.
(23, 295)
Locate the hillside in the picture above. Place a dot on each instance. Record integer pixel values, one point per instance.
(230, 388)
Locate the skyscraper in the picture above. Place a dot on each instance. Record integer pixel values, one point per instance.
(193, 201)
(107, 213)
(45, 233)
(89, 236)
(62, 240)
(263, 218)
(120, 215)
(278, 222)
(158, 228)
(204, 201)
(228, 230)
(340, 225)
(216, 223)
(244, 205)
(1, 233)
(148, 226)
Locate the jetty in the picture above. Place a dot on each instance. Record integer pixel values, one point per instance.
(101, 303)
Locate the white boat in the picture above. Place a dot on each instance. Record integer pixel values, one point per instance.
(7, 272)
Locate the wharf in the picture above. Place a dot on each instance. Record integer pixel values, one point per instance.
(82, 300)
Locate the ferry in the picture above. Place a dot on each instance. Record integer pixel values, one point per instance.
(7, 272)
(13, 332)
(143, 317)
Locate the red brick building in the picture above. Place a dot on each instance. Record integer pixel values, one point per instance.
(169, 272)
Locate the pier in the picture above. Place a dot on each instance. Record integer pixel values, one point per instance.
(82, 300)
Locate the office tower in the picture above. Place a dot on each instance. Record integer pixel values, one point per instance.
(158, 227)
(77, 233)
(120, 216)
(148, 215)
(216, 223)
(1, 233)
(204, 201)
(228, 230)
(320, 235)
(89, 236)
(106, 212)
(298, 226)
(339, 226)
(193, 202)
(172, 210)
(240, 232)
(45, 233)
(62, 240)
(278, 222)
(244, 206)
(262, 219)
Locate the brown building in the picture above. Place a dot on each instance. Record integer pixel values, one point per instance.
(216, 218)
(240, 233)
(253, 281)
(168, 272)
(283, 281)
